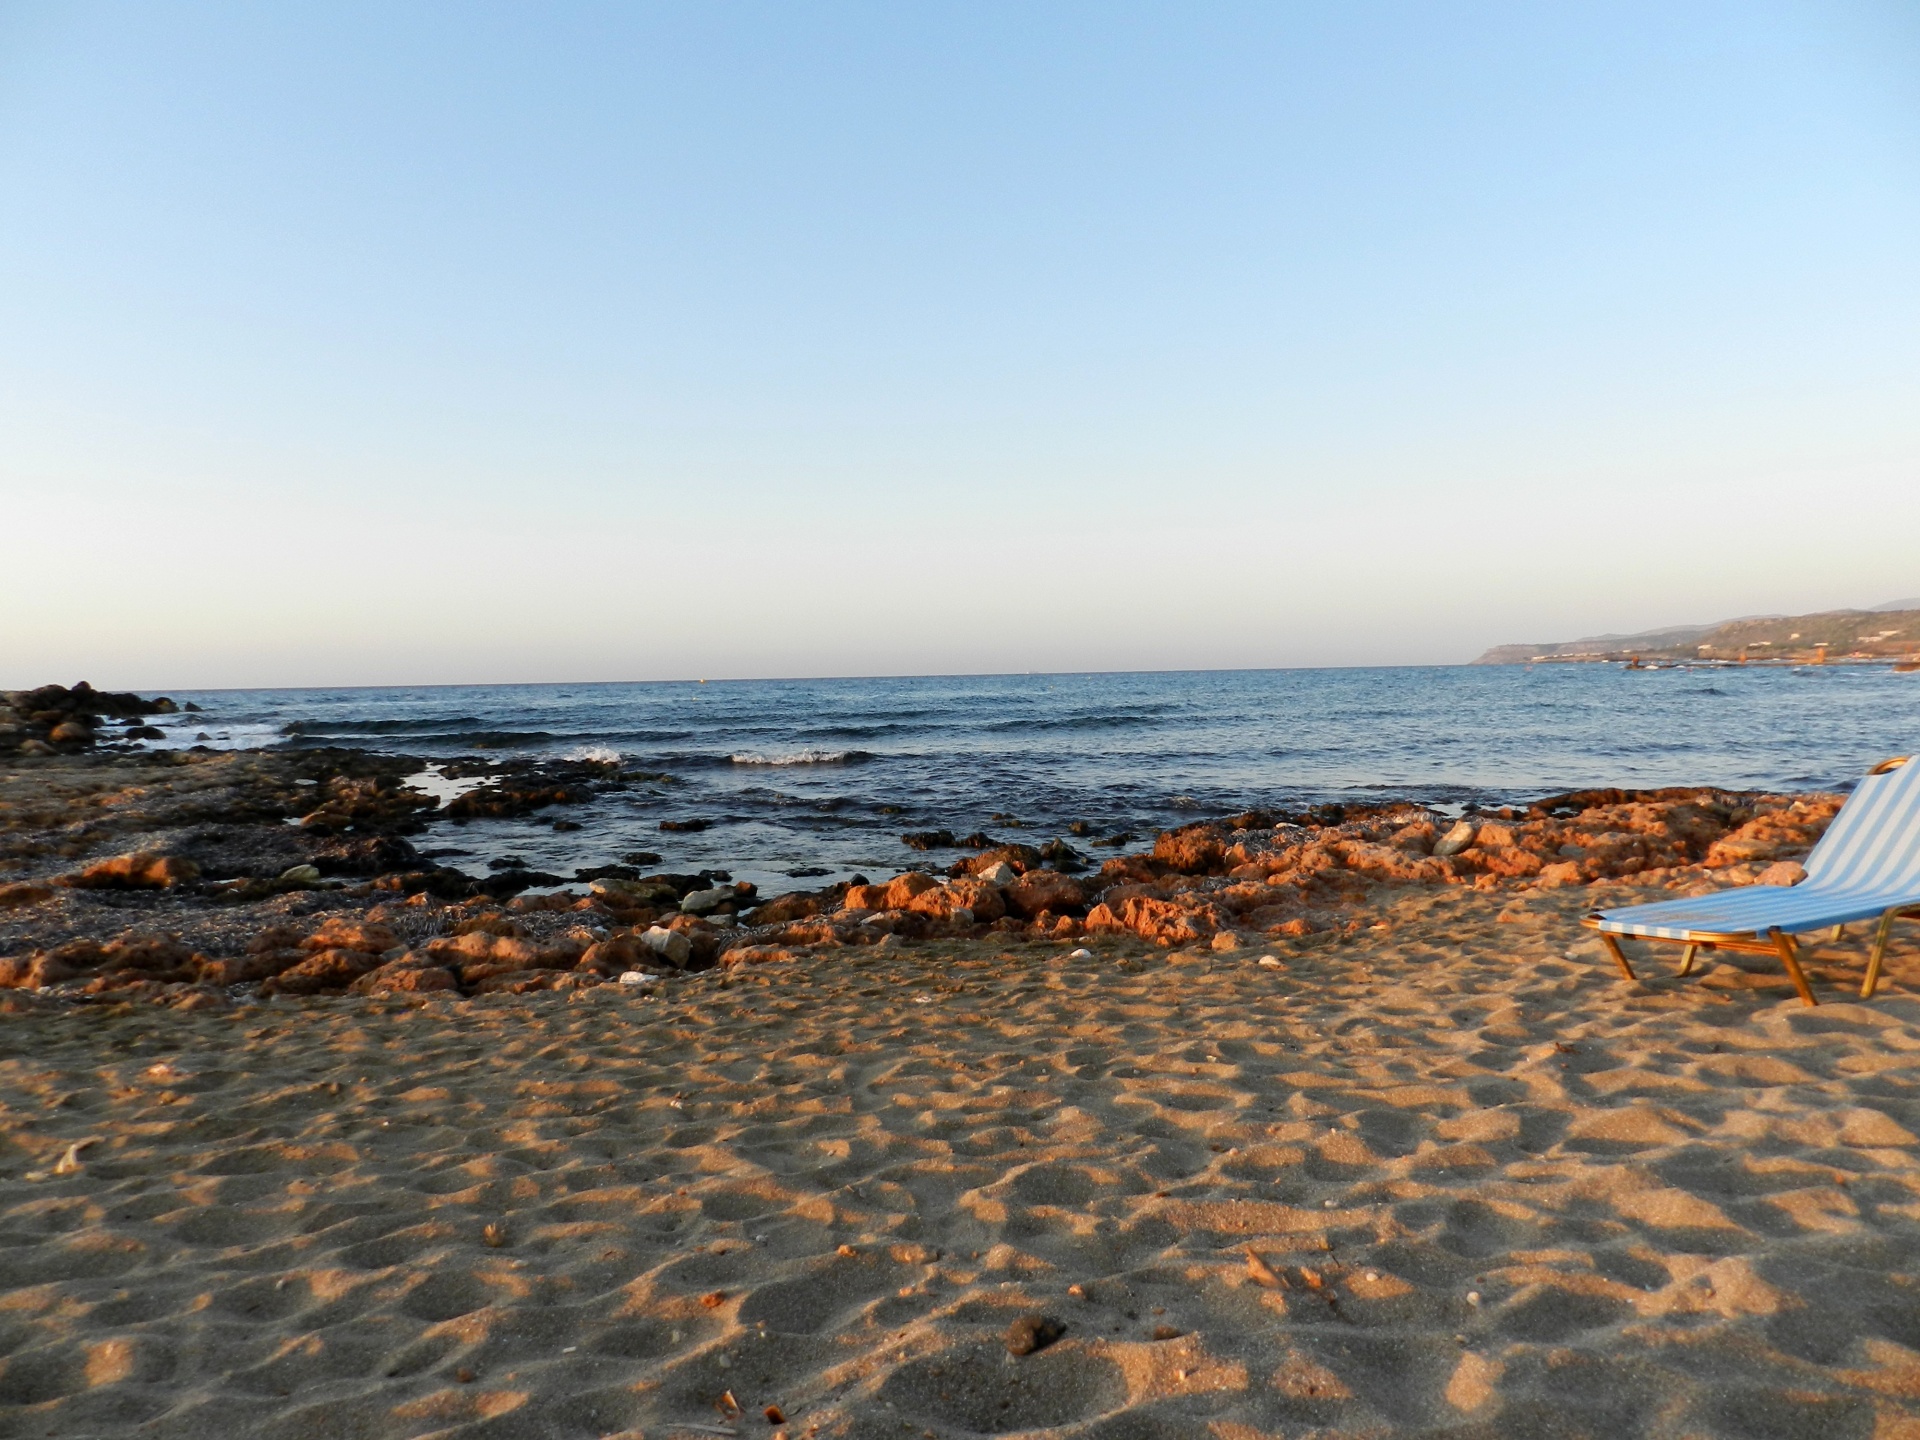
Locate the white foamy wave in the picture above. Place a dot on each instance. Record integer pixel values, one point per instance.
(801, 757)
(605, 754)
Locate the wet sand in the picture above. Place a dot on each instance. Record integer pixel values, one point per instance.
(1440, 1178)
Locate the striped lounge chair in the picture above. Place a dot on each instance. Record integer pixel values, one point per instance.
(1867, 865)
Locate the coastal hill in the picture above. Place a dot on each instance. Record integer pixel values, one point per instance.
(1886, 632)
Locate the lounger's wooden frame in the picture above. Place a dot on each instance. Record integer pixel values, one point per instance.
(1772, 942)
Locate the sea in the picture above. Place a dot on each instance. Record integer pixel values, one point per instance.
(811, 781)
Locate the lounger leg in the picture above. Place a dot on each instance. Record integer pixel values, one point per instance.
(1686, 959)
(1879, 953)
(1839, 934)
(1619, 956)
(1790, 957)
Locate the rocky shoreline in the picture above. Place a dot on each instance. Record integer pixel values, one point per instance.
(203, 879)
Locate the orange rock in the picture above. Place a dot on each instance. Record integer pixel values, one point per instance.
(615, 956)
(1389, 862)
(144, 871)
(1191, 849)
(865, 897)
(785, 908)
(1020, 858)
(1040, 890)
(227, 970)
(479, 947)
(754, 955)
(275, 937)
(1131, 869)
(23, 893)
(409, 975)
(1167, 922)
(811, 932)
(902, 889)
(340, 933)
(328, 970)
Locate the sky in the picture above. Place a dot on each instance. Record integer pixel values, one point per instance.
(412, 343)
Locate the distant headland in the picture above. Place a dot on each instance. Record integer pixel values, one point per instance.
(1886, 633)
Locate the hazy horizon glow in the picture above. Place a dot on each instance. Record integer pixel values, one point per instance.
(402, 345)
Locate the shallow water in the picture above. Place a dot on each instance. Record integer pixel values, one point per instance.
(829, 773)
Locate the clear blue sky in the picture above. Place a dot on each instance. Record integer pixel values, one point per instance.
(365, 343)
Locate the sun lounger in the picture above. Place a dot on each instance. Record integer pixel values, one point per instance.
(1867, 865)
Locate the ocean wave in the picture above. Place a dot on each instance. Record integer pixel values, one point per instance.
(804, 757)
(1119, 721)
(865, 732)
(606, 754)
(433, 726)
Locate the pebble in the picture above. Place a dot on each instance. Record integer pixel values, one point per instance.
(1031, 1333)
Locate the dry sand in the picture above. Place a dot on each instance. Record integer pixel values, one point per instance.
(1490, 1191)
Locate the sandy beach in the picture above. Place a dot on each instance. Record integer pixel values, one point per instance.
(1445, 1176)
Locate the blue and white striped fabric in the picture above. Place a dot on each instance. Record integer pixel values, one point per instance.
(1867, 863)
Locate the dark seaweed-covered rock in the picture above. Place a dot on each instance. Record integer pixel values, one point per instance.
(70, 718)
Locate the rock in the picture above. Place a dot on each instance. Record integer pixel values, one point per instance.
(864, 897)
(999, 874)
(965, 901)
(37, 747)
(1020, 858)
(1032, 1333)
(705, 902)
(1191, 849)
(1040, 890)
(1063, 857)
(328, 970)
(783, 909)
(301, 875)
(1227, 940)
(1168, 922)
(928, 840)
(597, 872)
(1456, 839)
(902, 889)
(613, 956)
(340, 933)
(1782, 872)
(23, 892)
(638, 977)
(640, 857)
(657, 893)
(145, 870)
(669, 945)
(755, 955)
(684, 826)
(410, 975)
(143, 732)
(257, 965)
